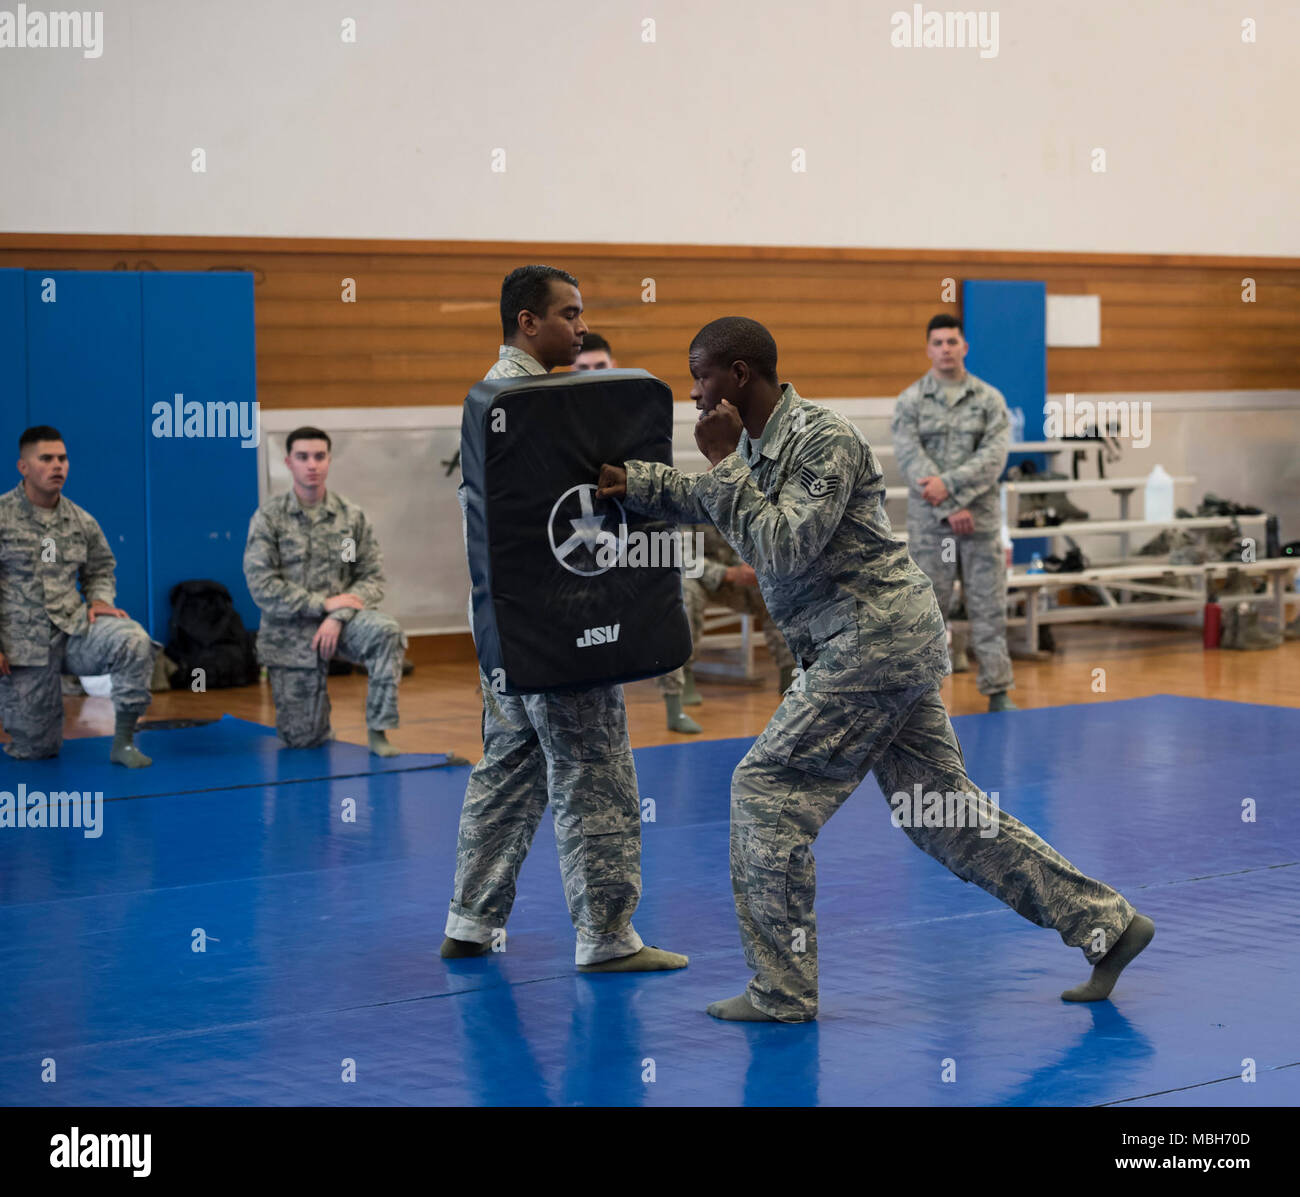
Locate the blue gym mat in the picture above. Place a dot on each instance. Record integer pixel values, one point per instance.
(323, 933)
(225, 753)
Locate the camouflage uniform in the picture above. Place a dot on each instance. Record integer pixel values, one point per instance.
(44, 627)
(965, 444)
(712, 589)
(295, 559)
(572, 747)
(807, 512)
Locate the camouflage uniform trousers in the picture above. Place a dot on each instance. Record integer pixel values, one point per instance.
(984, 591)
(572, 747)
(301, 696)
(809, 759)
(31, 697)
(745, 599)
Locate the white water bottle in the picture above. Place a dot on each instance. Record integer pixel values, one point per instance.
(1159, 496)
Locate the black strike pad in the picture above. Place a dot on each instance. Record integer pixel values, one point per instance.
(550, 610)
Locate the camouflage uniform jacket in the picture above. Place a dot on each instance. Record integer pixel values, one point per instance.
(718, 555)
(964, 444)
(35, 592)
(294, 562)
(807, 512)
(513, 362)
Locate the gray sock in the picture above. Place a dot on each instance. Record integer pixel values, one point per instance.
(690, 695)
(379, 744)
(677, 721)
(649, 959)
(739, 1009)
(124, 751)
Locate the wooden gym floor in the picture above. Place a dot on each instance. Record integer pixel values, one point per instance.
(440, 704)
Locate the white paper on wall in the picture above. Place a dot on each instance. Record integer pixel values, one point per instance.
(1074, 320)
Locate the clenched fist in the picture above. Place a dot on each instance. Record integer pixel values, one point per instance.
(718, 432)
(612, 483)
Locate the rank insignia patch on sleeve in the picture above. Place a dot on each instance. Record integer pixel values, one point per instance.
(818, 488)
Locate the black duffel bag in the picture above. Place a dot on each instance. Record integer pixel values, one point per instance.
(207, 634)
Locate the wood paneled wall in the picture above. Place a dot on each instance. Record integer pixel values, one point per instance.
(848, 322)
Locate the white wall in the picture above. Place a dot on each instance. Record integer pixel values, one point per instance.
(686, 139)
(1238, 444)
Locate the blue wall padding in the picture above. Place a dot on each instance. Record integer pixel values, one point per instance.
(93, 355)
(201, 490)
(84, 377)
(1006, 327)
(13, 371)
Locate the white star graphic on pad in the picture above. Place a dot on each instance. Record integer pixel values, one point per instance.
(588, 528)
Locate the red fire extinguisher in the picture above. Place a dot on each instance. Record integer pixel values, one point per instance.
(1210, 628)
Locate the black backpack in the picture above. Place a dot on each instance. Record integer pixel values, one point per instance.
(207, 634)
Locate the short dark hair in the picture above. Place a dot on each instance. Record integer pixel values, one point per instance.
(306, 433)
(593, 342)
(38, 432)
(737, 339)
(944, 320)
(528, 289)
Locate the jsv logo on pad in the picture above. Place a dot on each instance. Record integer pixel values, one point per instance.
(603, 635)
